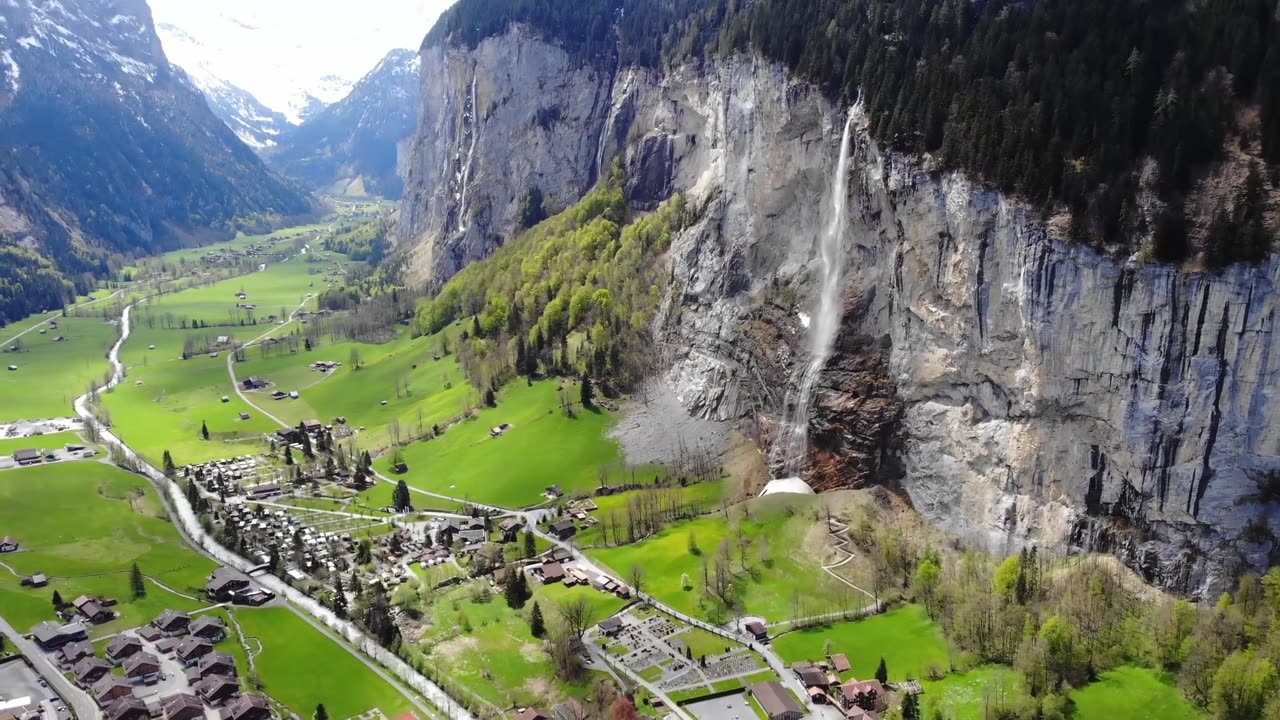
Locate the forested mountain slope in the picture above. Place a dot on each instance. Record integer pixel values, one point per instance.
(107, 151)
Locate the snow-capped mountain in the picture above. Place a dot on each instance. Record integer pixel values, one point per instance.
(357, 145)
(108, 149)
(253, 122)
(290, 55)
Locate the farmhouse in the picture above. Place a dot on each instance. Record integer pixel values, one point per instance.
(254, 382)
(777, 703)
(192, 649)
(143, 667)
(510, 528)
(93, 609)
(840, 663)
(247, 707)
(51, 635)
(564, 529)
(128, 708)
(182, 706)
(552, 572)
(111, 688)
(27, 456)
(123, 647)
(312, 426)
(810, 675)
(172, 623)
(225, 583)
(209, 627)
(90, 670)
(8, 544)
(217, 689)
(852, 689)
(758, 630)
(72, 653)
(38, 580)
(216, 663)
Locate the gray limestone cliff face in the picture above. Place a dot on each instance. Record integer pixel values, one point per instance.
(494, 124)
(1044, 393)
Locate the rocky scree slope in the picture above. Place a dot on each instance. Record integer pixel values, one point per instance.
(1020, 389)
(359, 144)
(109, 150)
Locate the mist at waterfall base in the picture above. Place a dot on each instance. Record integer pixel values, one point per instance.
(789, 451)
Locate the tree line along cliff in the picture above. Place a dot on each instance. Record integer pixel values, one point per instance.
(1122, 114)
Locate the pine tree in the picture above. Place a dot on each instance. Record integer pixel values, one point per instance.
(516, 587)
(204, 430)
(882, 672)
(530, 544)
(400, 498)
(910, 708)
(321, 712)
(288, 454)
(136, 582)
(588, 395)
(355, 582)
(169, 467)
(57, 600)
(339, 597)
(537, 626)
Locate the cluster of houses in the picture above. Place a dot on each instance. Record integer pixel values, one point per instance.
(226, 477)
(34, 456)
(857, 699)
(264, 529)
(556, 568)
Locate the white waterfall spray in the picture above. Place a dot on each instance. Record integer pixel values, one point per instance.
(789, 452)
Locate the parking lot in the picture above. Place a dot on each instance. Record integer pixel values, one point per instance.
(17, 681)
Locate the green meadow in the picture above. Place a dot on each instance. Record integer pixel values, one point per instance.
(48, 441)
(543, 447)
(420, 389)
(1133, 693)
(165, 399)
(50, 374)
(906, 638)
(84, 525)
(302, 667)
(703, 496)
(973, 695)
(781, 578)
(481, 644)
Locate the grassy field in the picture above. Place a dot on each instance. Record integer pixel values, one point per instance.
(973, 695)
(61, 371)
(487, 648)
(543, 447)
(775, 536)
(164, 400)
(420, 390)
(1133, 693)
(301, 667)
(907, 640)
(84, 526)
(705, 496)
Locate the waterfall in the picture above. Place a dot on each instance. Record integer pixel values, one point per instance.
(789, 451)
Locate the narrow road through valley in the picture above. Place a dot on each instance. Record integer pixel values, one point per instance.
(231, 373)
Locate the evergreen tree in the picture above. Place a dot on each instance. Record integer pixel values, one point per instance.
(288, 454)
(57, 600)
(882, 672)
(355, 582)
(273, 561)
(537, 626)
(169, 467)
(400, 497)
(530, 544)
(339, 597)
(136, 582)
(321, 713)
(588, 395)
(489, 398)
(910, 707)
(204, 430)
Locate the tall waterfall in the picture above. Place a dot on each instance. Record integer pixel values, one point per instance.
(789, 452)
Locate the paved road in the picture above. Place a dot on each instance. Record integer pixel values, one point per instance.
(599, 658)
(75, 698)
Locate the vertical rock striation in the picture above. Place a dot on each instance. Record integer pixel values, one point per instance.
(1018, 388)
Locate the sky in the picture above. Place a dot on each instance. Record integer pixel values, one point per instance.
(281, 50)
